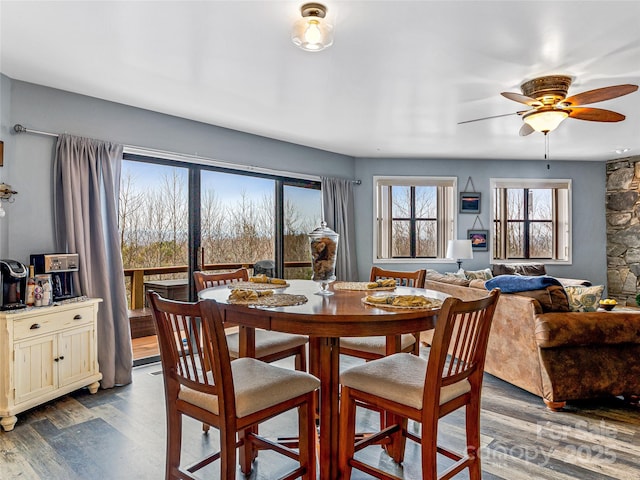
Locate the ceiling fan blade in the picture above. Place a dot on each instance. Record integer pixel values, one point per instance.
(525, 130)
(595, 114)
(517, 97)
(521, 112)
(599, 94)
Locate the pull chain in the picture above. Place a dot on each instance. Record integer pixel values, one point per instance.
(546, 145)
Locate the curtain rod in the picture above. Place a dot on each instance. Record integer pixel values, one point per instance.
(20, 129)
(182, 156)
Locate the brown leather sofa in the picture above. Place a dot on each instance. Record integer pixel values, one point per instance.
(559, 356)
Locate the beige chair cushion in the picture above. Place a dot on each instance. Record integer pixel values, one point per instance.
(399, 378)
(267, 342)
(376, 345)
(258, 385)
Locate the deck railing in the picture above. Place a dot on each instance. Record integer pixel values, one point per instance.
(137, 275)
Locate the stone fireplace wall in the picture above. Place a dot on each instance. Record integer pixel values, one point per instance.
(623, 229)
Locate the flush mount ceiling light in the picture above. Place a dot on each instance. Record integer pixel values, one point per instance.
(545, 120)
(312, 32)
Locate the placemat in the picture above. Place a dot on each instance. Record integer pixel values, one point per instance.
(258, 286)
(275, 300)
(360, 286)
(433, 303)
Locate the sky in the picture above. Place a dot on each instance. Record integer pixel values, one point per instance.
(229, 188)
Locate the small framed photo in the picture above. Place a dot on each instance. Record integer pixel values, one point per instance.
(479, 240)
(469, 202)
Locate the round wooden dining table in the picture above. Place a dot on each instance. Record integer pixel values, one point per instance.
(325, 319)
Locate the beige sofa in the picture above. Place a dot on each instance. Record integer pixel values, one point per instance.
(559, 356)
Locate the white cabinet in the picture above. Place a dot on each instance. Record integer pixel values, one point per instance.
(45, 353)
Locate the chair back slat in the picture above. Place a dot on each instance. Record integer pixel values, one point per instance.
(207, 279)
(405, 279)
(459, 343)
(464, 343)
(193, 348)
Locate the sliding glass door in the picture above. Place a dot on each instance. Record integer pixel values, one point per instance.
(302, 212)
(177, 217)
(237, 218)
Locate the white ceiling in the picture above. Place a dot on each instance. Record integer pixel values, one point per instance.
(397, 80)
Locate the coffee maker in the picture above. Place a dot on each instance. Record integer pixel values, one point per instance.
(13, 277)
(62, 267)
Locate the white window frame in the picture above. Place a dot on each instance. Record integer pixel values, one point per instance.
(446, 215)
(564, 239)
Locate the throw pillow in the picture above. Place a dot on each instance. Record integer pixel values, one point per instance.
(478, 274)
(584, 299)
(528, 269)
(458, 274)
(450, 279)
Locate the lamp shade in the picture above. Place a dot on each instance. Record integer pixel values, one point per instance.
(459, 249)
(312, 32)
(546, 120)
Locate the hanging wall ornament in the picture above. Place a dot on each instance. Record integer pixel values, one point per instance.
(479, 237)
(469, 200)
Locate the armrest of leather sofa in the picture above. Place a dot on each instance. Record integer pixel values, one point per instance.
(565, 329)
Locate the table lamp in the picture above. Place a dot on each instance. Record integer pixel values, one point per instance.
(459, 249)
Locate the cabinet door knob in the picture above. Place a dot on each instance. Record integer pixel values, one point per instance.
(77, 317)
(56, 359)
(35, 326)
(61, 357)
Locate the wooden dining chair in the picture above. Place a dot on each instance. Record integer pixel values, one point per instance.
(374, 347)
(410, 387)
(201, 382)
(270, 346)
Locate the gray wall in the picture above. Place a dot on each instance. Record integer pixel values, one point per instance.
(28, 220)
(28, 228)
(7, 138)
(589, 179)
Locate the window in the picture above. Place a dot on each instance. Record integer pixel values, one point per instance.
(414, 217)
(531, 219)
(170, 210)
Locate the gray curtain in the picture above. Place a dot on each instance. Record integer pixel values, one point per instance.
(338, 211)
(86, 186)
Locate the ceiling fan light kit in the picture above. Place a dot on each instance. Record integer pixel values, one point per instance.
(312, 32)
(545, 121)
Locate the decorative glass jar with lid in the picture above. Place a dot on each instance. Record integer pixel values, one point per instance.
(323, 243)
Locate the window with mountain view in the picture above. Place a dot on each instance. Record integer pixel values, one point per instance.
(415, 217)
(531, 219)
(169, 209)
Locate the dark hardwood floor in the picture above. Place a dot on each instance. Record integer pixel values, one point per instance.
(120, 434)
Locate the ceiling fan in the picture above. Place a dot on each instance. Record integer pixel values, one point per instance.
(547, 97)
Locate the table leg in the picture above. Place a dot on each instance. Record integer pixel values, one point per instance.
(328, 364)
(247, 341)
(398, 442)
